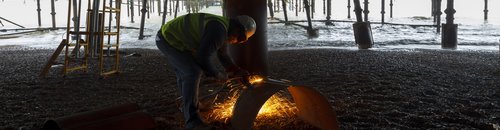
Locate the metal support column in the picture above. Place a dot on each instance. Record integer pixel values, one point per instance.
(251, 56)
(132, 11)
(143, 19)
(53, 13)
(438, 13)
(391, 4)
(366, 11)
(39, 13)
(164, 12)
(349, 9)
(329, 12)
(362, 29)
(485, 10)
(449, 36)
(383, 12)
(283, 3)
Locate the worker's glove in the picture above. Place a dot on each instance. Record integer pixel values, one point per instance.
(221, 77)
(240, 72)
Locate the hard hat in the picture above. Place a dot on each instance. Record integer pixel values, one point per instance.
(248, 23)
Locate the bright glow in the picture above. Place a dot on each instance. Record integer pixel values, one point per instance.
(276, 106)
(253, 79)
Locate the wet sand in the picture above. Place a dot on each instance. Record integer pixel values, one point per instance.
(416, 89)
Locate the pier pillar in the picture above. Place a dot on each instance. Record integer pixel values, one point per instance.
(270, 6)
(329, 12)
(143, 19)
(449, 36)
(312, 7)
(438, 16)
(283, 3)
(349, 9)
(39, 13)
(366, 11)
(391, 4)
(312, 33)
(296, 7)
(128, 8)
(251, 56)
(433, 10)
(362, 30)
(164, 16)
(53, 13)
(485, 10)
(131, 11)
(324, 6)
(383, 12)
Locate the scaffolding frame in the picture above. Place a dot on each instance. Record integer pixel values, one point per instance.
(94, 39)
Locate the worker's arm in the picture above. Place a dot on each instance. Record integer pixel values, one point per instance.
(211, 40)
(225, 60)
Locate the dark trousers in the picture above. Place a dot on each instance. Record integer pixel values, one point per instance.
(188, 74)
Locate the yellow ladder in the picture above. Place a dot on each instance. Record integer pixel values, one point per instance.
(108, 63)
(74, 44)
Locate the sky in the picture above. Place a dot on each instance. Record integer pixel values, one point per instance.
(474, 32)
(468, 11)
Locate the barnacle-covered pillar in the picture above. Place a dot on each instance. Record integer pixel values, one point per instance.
(362, 30)
(449, 36)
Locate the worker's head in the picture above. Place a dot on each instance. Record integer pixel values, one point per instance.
(241, 28)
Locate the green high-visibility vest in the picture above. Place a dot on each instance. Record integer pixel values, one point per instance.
(184, 32)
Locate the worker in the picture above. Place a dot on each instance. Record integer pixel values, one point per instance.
(189, 42)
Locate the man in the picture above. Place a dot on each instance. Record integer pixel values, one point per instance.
(189, 42)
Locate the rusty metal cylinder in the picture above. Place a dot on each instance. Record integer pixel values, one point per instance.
(449, 36)
(124, 116)
(363, 35)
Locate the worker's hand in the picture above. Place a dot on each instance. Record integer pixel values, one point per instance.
(240, 72)
(221, 77)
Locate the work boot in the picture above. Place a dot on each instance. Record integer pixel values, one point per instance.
(203, 126)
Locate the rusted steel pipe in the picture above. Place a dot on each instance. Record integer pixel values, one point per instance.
(251, 56)
(124, 116)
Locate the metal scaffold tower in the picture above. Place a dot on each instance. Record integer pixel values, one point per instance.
(96, 39)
